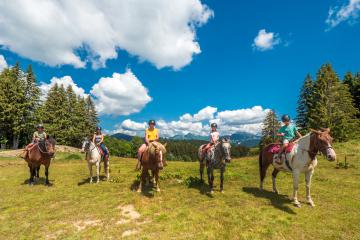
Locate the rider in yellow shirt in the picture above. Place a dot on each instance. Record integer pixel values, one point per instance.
(151, 135)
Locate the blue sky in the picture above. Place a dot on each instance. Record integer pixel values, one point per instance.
(231, 74)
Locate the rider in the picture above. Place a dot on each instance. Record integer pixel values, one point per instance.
(214, 138)
(288, 132)
(98, 139)
(39, 135)
(151, 136)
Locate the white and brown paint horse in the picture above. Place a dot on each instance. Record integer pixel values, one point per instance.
(302, 159)
(94, 157)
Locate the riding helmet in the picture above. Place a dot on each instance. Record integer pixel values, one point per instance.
(214, 125)
(285, 118)
(98, 128)
(40, 126)
(152, 122)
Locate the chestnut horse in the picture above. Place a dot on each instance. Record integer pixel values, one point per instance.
(302, 159)
(152, 160)
(40, 153)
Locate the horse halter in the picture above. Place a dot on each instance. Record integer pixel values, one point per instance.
(45, 145)
(321, 149)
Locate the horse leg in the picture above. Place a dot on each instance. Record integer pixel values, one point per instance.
(308, 176)
(157, 180)
(296, 187)
(47, 174)
(274, 174)
(141, 180)
(98, 172)
(201, 171)
(38, 172)
(31, 179)
(208, 171)
(222, 170)
(91, 172)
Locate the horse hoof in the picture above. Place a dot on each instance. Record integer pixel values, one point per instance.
(297, 204)
(212, 192)
(222, 191)
(276, 191)
(139, 190)
(311, 203)
(158, 189)
(31, 184)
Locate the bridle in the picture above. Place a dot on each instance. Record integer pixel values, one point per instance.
(45, 145)
(319, 149)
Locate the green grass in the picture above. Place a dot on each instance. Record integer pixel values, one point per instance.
(73, 209)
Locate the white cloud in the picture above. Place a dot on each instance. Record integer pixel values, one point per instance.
(247, 120)
(252, 115)
(121, 94)
(348, 12)
(265, 40)
(3, 63)
(54, 32)
(65, 81)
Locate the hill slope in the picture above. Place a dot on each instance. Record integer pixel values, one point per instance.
(74, 209)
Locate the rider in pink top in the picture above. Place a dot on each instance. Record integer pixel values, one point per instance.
(214, 138)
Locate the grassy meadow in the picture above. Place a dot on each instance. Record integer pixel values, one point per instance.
(73, 209)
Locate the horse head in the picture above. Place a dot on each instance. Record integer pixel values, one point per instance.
(226, 147)
(321, 141)
(85, 145)
(48, 146)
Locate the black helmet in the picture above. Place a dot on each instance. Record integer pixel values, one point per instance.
(152, 122)
(214, 125)
(40, 126)
(98, 128)
(285, 118)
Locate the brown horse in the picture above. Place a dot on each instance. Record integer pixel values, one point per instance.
(301, 159)
(151, 160)
(40, 153)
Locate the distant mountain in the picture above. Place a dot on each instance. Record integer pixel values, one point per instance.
(245, 139)
(240, 138)
(189, 136)
(122, 136)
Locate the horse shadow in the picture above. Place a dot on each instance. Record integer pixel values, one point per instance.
(147, 190)
(279, 201)
(38, 181)
(200, 185)
(87, 180)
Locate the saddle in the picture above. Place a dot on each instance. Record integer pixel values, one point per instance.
(275, 148)
(101, 151)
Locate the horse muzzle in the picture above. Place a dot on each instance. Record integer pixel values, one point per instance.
(330, 155)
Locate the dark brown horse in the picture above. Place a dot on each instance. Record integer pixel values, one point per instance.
(302, 159)
(40, 153)
(152, 160)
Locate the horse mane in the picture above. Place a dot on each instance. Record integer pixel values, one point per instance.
(51, 140)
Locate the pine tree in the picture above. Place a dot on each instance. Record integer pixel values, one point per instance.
(32, 101)
(92, 116)
(333, 105)
(305, 103)
(270, 127)
(55, 114)
(353, 82)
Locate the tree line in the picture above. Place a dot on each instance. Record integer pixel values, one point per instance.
(66, 116)
(179, 150)
(324, 102)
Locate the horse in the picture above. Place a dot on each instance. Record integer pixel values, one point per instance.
(216, 158)
(151, 160)
(94, 157)
(40, 153)
(301, 159)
